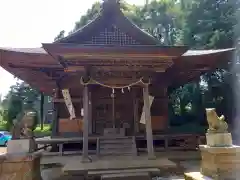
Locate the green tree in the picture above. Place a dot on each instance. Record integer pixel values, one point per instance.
(60, 35)
(211, 24)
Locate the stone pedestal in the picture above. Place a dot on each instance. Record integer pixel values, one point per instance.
(220, 162)
(219, 139)
(20, 167)
(20, 146)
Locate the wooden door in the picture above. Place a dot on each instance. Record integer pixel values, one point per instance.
(103, 112)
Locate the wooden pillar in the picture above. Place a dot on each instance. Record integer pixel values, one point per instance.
(113, 110)
(85, 123)
(135, 113)
(90, 114)
(55, 120)
(148, 124)
(42, 115)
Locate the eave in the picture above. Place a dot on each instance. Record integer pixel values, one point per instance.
(194, 63)
(78, 52)
(23, 63)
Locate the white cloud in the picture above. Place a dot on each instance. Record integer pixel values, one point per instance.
(28, 23)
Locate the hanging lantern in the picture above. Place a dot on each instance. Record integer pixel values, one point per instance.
(122, 90)
(128, 88)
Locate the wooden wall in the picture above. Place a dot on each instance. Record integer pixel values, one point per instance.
(67, 125)
(102, 116)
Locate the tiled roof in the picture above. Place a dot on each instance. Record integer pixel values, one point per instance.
(188, 53)
(205, 52)
(25, 50)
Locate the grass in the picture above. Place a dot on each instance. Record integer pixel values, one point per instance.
(46, 131)
(3, 125)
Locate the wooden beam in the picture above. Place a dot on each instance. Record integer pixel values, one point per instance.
(62, 100)
(121, 62)
(161, 68)
(34, 66)
(108, 56)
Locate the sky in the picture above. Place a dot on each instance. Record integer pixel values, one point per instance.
(28, 23)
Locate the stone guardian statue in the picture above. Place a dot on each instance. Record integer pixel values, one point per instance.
(217, 134)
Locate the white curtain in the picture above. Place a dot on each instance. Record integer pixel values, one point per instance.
(68, 102)
(143, 119)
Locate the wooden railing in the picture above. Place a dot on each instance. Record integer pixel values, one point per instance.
(168, 142)
(175, 142)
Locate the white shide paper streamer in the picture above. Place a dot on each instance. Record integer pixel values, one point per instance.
(143, 119)
(68, 102)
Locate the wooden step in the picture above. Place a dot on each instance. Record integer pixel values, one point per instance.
(126, 176)
(115, 137)
(148, 170)
(118, 146)
(116, 141)
(117, 153)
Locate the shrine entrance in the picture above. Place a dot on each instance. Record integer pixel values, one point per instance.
(113, 110)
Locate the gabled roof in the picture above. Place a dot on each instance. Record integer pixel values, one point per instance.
(110, 27)
(101, 39)
(35, 65)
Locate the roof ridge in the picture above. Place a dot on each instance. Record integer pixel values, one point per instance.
(110, 8)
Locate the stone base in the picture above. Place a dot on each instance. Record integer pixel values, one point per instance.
(20, 167)
(126, 176)
(195, 176)
(220, 162)
(152, 157)
(86, 160)
(20, 146)
(219, 139)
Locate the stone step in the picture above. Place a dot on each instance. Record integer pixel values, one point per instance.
(127, 176)
(120, 171)
(129, 151)
(117, 153)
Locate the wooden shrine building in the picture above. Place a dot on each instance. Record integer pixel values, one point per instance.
(110, 78)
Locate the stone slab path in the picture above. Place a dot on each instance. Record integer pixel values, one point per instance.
(55, 173)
